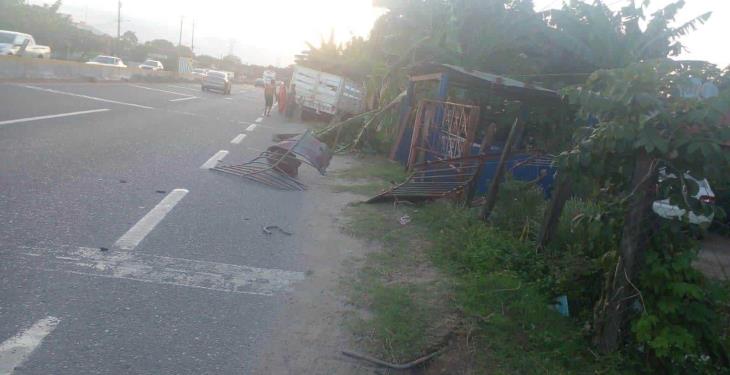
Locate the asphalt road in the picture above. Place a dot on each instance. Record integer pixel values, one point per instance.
(87, 166)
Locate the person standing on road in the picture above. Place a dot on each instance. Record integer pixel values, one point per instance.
(281, 98)
(269, 90)
(291, 101)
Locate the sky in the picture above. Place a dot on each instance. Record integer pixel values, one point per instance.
(271, 32)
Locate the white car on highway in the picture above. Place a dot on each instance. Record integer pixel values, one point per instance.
(107, 61)
(13, 43)
(152, 65)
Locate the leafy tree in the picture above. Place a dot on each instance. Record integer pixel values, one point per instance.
(647, 124)
(592, 36)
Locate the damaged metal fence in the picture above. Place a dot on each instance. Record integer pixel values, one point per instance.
(434, 179)
(278, 166)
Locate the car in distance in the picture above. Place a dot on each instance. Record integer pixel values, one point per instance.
(152, 65)
(107, 61)
(13, 43)
(216, 80)
(259, 82)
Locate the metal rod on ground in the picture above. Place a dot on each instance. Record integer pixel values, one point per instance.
(394, 366)
(491, 200)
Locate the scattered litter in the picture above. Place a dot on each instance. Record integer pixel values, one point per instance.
(160, 191)
(122, 181)
(267, 230)
(404, 220)
(104, 248)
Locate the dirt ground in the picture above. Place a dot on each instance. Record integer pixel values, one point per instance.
(311, 335)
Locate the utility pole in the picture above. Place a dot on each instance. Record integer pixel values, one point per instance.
(119, 25)
(192, 39)
(179, 43)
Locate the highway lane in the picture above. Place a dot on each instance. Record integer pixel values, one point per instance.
(199, 291)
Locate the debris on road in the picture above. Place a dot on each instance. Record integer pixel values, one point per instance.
(267, 230)
(278, 166)
(104, 248)
(160, 191)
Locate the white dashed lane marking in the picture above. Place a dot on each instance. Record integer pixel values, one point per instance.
(16, 350)
(37, 118)
(158, 90)
(213, 161)
(153, 269)
(251, 128)
(259, 119)
(85, 96)
(145, 225)
(184, 99)
(238, 139)
(184, 88)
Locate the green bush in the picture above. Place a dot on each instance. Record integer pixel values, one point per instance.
(519, 208)
(583, 245)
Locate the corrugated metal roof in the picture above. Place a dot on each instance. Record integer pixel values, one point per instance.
(468, 77)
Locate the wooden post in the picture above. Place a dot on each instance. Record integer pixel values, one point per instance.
(514, 133)
(563, 187)
(405, 115)
(619, 295)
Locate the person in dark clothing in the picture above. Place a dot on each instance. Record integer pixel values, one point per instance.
(269, 91)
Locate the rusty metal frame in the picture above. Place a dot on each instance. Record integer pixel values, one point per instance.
(455, 121)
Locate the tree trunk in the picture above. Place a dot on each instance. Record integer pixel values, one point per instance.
(620, 293)
(563, 187)
(491, 200)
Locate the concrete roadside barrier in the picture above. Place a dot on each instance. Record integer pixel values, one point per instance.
(16, 68)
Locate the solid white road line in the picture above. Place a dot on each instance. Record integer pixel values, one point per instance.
(158, 90)
(8, 122)
(213, 161)
(16, 350)
(259, 119)
(185, 88)
(145, 225)
(85, 96)
(238, 139)
(153, 269)
(251, 127)
(183, 99)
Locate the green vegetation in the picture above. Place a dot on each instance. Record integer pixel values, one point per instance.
(373, 177)
(446, 274)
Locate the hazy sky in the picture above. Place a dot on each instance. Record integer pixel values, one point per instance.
(272, 31)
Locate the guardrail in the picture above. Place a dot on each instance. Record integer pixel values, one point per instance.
(15, 68)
